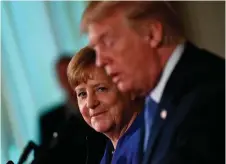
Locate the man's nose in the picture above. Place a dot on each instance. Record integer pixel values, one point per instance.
(92, 101)
(101, 58)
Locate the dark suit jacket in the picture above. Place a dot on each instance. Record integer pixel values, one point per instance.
(194, 97)
(50, 123)
(76, 142)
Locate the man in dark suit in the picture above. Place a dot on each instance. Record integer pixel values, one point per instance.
(65, 137)
(142, 47)
(56, 115)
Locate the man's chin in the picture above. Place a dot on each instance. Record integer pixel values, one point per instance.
(125, 88)
(122, 87)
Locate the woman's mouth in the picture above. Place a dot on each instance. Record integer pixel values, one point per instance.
(98, 114)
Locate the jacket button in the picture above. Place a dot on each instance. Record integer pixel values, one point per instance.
(55, 134)
(163, 114)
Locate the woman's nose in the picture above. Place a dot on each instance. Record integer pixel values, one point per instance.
(92, 101)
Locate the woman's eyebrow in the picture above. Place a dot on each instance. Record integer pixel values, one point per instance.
(98, 84)
(79, 89)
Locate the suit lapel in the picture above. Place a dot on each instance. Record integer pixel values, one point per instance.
(163, 113)
(171, 93)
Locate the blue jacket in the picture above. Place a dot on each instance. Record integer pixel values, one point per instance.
(129, 147)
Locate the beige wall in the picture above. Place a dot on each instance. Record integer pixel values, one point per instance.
(204, 24)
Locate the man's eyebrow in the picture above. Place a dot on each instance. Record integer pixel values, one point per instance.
(98, 39)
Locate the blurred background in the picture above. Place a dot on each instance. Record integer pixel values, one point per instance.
(35, 34)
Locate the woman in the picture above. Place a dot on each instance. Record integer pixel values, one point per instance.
(105, 109)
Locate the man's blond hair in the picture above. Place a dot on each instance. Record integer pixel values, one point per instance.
(135, 12)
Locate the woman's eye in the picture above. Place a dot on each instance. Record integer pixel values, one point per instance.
(101, 89)
(81, 94)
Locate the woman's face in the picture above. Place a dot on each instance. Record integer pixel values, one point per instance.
(100, 103)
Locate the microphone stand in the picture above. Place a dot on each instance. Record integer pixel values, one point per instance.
(30, 146)
(44, 156)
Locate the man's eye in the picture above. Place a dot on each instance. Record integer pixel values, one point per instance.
(108, 42)
(81, 94)
(101, 89)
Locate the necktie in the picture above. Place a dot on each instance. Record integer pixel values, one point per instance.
(149, 113)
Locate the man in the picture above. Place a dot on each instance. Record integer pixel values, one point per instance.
(56, 115)
(65, 137)
(142, 47)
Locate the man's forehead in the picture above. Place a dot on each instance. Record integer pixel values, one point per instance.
(97, 30)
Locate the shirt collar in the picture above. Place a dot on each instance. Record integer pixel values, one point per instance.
(156, 93)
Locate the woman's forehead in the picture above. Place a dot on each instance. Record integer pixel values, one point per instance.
(92, 83)
(94, 75)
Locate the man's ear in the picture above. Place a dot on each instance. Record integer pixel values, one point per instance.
(155, 34)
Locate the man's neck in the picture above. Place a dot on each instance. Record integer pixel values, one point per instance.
(165, 53)
(168, 66)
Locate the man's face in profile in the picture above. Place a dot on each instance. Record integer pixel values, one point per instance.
(121, 51)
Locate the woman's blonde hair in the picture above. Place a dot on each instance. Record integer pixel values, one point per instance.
(135, 12)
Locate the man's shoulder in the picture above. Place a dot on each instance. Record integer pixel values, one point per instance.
(212, 60)
(204, 58)
(197, 79)
(207, 71)
(197, 68)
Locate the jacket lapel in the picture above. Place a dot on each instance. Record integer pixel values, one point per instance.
(171, 92)
(163, 113)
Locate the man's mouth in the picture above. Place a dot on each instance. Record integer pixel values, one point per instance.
(115, 77)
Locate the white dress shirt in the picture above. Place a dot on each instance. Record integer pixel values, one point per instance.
(156, 93)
